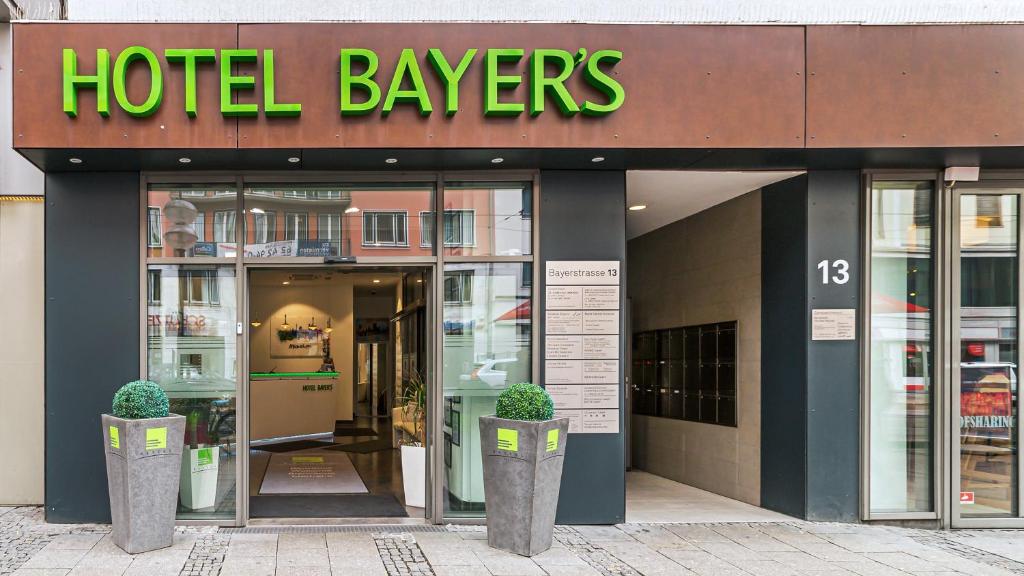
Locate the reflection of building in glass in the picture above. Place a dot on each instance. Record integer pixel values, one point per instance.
(318, 221)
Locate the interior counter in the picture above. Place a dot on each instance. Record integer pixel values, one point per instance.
(292, 403)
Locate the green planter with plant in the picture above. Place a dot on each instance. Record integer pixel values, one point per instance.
(143, 444)
(523, 448)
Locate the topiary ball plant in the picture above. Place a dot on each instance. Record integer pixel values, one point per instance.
(525, 401)
(140, 399)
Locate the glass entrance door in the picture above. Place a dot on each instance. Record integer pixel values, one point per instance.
(985, 353)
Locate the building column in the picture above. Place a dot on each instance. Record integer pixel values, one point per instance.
(810, 411)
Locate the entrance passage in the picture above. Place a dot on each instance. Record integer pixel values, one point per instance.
(694, 287)
(337, 386)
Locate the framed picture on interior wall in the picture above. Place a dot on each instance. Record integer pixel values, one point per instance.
(291, 337)
(372, 329)
(448, 411)
(456, 428)
(447, 450)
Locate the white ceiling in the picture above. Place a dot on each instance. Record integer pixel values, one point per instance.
(672, 195)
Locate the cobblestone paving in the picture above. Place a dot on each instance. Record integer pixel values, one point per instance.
(29, 547)
(401, 554)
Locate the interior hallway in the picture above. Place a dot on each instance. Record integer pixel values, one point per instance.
(653, 499)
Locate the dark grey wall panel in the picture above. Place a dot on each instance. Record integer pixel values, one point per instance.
(783, 346)
(583, 217)
(833, 367)
(810, 390)
(92, 330)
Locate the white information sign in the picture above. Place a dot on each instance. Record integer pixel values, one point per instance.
(600, 298)
(582, 273)
(834, 324)
(582, 343)
(565, 297)
(564, 322)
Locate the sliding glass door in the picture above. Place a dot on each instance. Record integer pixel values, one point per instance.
(985, 355)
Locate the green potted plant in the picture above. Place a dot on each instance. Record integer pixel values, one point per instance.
(409, 414)
(523, 447)
(143, 445)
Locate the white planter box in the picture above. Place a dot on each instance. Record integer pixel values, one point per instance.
(414, 461)
(199, 468)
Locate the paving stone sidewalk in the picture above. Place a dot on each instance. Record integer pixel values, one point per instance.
(30, 547)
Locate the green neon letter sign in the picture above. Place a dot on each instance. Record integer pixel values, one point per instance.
(603, 83)
(270, 106)
(493, 82)
(450, 77)
(156, 81)
(230, 84)
(362, 81)
(407, 67)
(73, 81)
(190, 57)
(555, 87)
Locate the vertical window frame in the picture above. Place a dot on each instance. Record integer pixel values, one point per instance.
(940, 338)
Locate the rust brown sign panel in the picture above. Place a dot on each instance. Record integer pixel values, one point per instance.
(516, 86)
(406, 85)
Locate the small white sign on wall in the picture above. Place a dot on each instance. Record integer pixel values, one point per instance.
(834, 324)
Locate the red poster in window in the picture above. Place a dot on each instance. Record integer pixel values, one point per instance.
(967, 497)
(986, 400)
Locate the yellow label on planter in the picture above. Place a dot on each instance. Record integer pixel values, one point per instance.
(156, 438)
(552, 440)
(508, 439)
(307, 459)
(115, 437)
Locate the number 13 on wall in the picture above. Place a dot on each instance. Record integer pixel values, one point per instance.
(839, 269)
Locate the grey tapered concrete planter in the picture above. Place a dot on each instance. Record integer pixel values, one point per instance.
(143, 471)
(522, 464)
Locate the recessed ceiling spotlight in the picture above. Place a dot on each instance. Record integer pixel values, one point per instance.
(596, 159)
(351, 210)
(376, 281)
(636, 207)
(75, 160)
(285, 283)
(391, 160)
(419, 281)
(294, 159)
(184, 159)
(497, 160)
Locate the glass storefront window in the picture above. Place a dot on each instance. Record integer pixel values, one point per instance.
(902, 370)
(989, 261)
(486, 220)
(192, 355)
(487, 335)
(334, 220)
(189, 221)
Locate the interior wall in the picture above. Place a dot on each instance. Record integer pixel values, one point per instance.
(21, 352)
(302, 303)
(702, 269)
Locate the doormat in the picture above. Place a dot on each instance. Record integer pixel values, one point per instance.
(327, 506)
(293, 446)
(312, 472)
(364, 447)
(342, 430)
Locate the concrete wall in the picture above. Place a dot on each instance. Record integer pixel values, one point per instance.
(704, 268)
(21, 307)
(21, 352)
